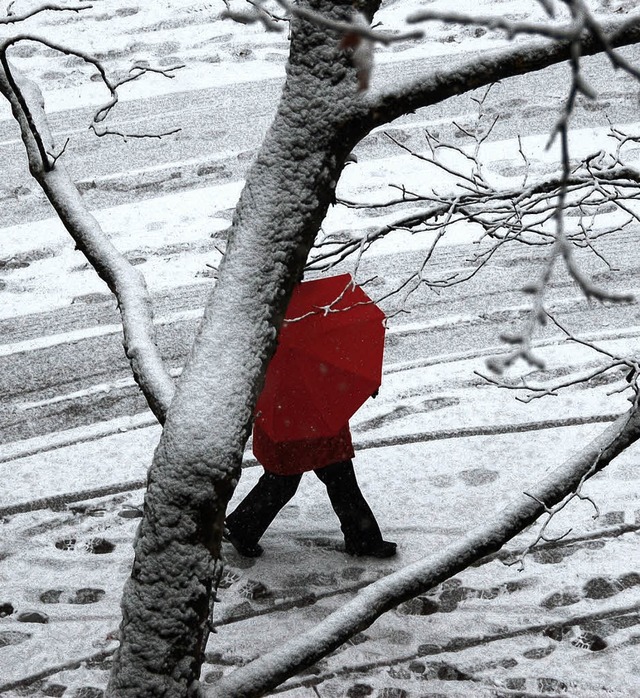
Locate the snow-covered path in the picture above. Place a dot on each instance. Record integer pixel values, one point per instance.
(438, 450)
(567, 625)
(438, 443)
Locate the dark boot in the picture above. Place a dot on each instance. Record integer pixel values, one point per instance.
(383, 549)
(254, 514)
(245, 549)
(361, 532)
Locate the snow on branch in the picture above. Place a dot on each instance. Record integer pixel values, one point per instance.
(135, 72)
(614, 363)
(492, 66)
(561, 247)
(600, 180)
(582, 22)
(272, 668)
(359, 35)
(521, 214)
(553, 511)
(510, 27)
(123, 279)
(257, 14)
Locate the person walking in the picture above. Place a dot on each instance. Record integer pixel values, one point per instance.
(330, 458)
(327, 363)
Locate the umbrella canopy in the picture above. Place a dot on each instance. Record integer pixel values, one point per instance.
(300, 455)
(326, 364)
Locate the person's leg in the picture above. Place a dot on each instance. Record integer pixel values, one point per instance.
(362, 534)
(257, 510)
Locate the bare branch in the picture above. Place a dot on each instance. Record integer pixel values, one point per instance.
(269, 20)
(135, 72)
(344, 28)
(547, 6)
(507, 215)
(614, 362)
(54, 156)
(124, 280)
(510, 27)
(540, 391)
(584, 23)
(101, 132)
(101, 114)
(12, 18)
(553, 511)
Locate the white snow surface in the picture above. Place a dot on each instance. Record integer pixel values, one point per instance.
(427, 484)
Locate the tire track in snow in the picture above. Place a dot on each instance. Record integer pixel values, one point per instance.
(40, 416)
(59, 501)
(459, 644)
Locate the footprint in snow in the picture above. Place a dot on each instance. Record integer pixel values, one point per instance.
(96, 546)
(82, 596)
(12, 637)
(478, 476)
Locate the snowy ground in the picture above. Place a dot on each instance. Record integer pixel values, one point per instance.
(566, 625)
(438, 451)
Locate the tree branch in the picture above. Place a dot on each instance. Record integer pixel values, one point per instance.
(483, 69)
(124, 280)
(12, 18)
(512, 28)
(102, 112)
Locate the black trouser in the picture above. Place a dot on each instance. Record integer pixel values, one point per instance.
(260, 507)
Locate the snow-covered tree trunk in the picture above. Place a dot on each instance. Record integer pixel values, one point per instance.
(197, 463)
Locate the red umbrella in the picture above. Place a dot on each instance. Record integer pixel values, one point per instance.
(300, 455)
(328, 362)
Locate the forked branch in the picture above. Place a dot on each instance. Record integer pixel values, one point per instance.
(112, 86)
(123, 279)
